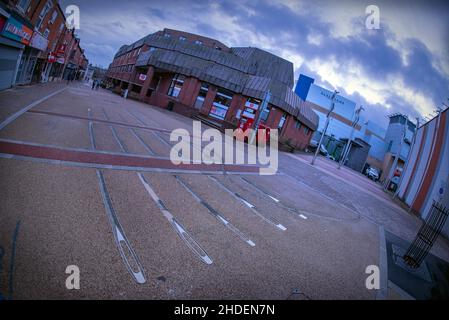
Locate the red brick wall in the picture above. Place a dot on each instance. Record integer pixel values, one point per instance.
(189, 91)
(297, 137)
(238, 102)
(159, 98)
(209, 100)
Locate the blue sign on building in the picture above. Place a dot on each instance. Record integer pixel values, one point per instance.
(303, 86)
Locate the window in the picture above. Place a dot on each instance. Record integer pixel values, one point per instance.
(167, 35)
(46, 33)
(43, 13)
(298, 125)
(390, 145)
(176, 85)
(306, 130)
(182, 38)
(201, 95)
(282, 121)
(53, 16)
(198, 42)
(61, 27)
(251, 107)
(221, 104)
(22, 5)
(138, 51)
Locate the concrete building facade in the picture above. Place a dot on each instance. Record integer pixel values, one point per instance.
(397, 144)
(425, 177)
(340, 125)
(202, 78)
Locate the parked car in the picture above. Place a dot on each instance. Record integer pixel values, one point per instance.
(313, 145)
(372, 173)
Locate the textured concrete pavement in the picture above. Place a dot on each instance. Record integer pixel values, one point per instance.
(54, 214)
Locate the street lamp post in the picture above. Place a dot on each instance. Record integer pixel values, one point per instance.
(348, 144)
(334, 95)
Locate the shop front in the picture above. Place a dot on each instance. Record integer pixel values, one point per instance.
(14, 38)
(40, 43)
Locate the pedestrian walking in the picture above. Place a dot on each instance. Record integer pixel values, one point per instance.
(94, 83)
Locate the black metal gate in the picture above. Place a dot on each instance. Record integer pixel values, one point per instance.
(426, 236)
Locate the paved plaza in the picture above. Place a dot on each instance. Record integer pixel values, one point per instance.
(86, 180)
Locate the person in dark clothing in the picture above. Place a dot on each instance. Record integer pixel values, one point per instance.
(94, 83)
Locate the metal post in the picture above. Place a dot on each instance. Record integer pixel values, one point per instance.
(325, 126)
(262, 107)
(348, 144)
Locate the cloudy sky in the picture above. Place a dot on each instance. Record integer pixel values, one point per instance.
(401, 67)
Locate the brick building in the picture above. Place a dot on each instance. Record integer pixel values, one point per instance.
(202, 78)
(35, 39)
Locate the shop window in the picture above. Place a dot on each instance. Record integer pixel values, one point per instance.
(176, 85)
(201, 95)
(250, 109)
(282, 121)
(221, 104)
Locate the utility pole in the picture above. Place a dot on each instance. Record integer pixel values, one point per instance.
(262, 107)
(396, 159)
(348, 144)
(334, 95)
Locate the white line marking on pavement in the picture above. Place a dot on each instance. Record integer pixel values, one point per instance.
(249, 205)
(114, 133)
(269, 220)
(119, 235)
(180, 230)
(215, 213)
(28, 107)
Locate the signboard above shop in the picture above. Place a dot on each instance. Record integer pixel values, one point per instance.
(38, 41)
(17, 31)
